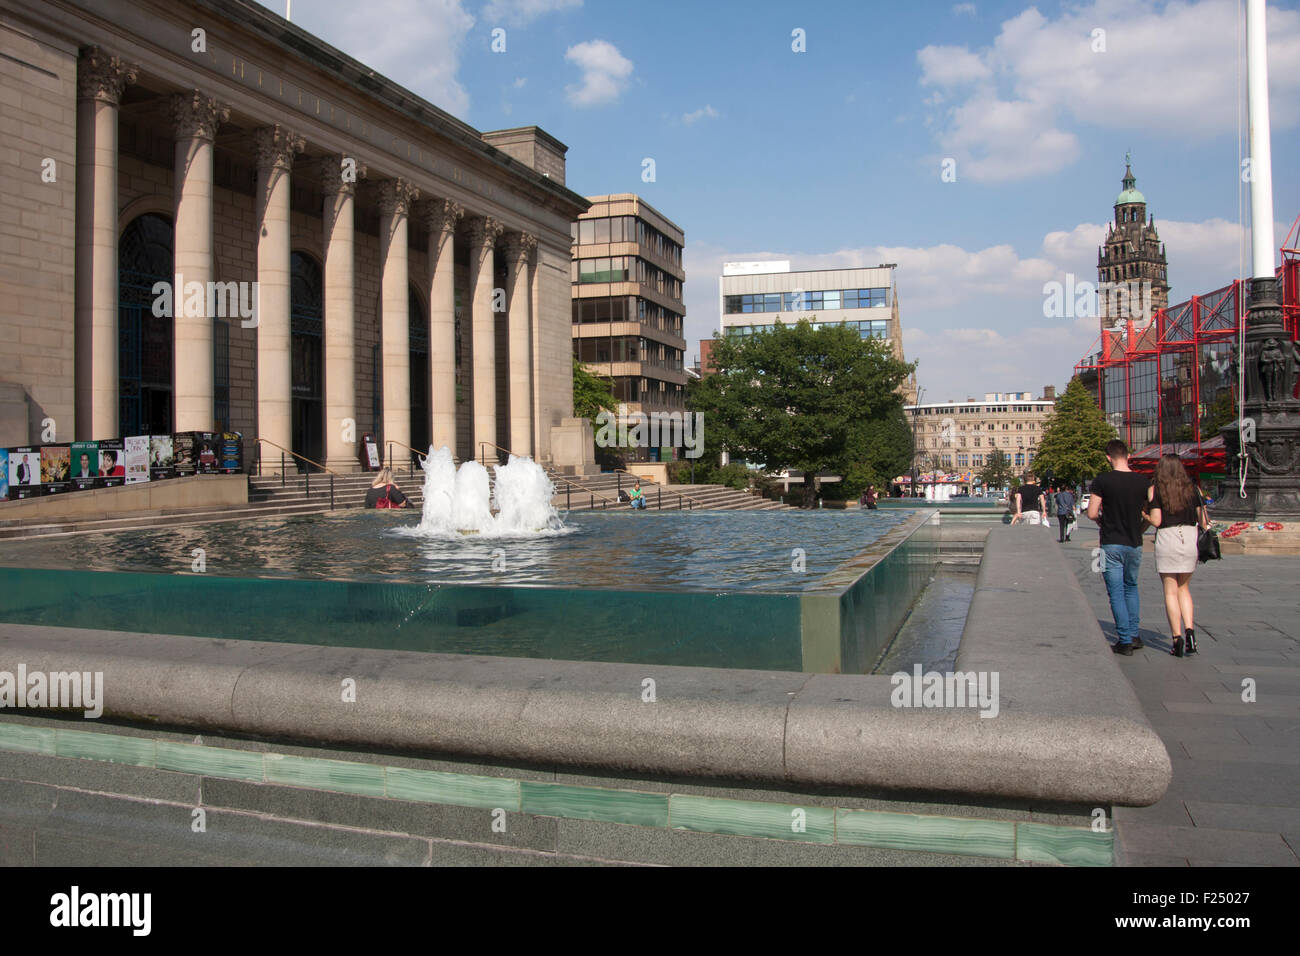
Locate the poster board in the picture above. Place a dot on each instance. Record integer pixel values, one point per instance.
(230, 453)
(205, 453)
(137, 458)
(24, 472)
(56, 469)
(85, 464)
(183, 452)
(112, 463)
(4, 474)
(160, 458)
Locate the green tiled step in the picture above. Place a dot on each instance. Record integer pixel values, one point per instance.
(990, 839)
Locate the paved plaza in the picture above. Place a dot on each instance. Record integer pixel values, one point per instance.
(1235, 795)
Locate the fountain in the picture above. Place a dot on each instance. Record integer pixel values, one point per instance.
(459, 501)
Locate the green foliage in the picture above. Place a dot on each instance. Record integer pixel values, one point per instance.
(1222, 411)
(1074, 438)
(591, 394)
(806, 399)
(997, 471)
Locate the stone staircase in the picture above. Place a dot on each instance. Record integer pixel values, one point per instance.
(587, 492)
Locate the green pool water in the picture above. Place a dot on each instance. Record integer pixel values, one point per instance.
(817, 591)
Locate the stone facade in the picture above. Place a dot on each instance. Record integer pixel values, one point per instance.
(268, 158)
(1131, 257)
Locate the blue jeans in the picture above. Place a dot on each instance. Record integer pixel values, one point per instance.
(638, 502)
(1121, 574)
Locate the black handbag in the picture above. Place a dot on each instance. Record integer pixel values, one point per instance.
(1207, 546)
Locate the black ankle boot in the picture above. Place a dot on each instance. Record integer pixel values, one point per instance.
(1178, 647)
(1191, 641)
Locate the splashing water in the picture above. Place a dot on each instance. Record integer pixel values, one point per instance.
(460, 501)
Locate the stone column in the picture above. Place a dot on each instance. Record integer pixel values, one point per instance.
(276, 147)
(339, 188)
(101, 78)
(519, 250)
(483, 233)
(440, 216)
(195, 118)
(395, 198)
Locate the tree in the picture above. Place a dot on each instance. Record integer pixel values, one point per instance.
(1222, 411)
(1073, 448)
(591, 394)
(807, 399)
(997, 472)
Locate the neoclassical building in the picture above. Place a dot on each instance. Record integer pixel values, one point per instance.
(212, 220)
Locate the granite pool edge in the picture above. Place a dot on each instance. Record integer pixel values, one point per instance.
(1068, 727)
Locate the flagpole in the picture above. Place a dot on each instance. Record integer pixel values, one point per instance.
(1261, 150)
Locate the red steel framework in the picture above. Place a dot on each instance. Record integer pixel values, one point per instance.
(1214, 317)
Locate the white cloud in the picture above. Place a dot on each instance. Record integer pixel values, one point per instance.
(423, 56)
(951, 66)
(1168, 69)
(706, 111)
(605, 73)
(520, 82)
(520, 13)
(961, 8)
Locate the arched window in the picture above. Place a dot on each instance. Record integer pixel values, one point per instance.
(418, 344)
(306, 310)
(144, 352)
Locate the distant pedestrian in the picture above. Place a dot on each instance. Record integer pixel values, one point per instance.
(1119, 497)
(1029, 502)
(869, 497)
(1065, 512)
(1049, 499)
(1176, 511)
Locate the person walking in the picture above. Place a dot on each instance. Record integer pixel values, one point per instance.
(1119, 498)
(1029, 502)
(1177, 512)
(1065, 512)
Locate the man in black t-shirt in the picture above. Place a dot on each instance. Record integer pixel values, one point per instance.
(1118, 504)
(1029, 501)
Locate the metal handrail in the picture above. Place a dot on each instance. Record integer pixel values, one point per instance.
(390, 442)
(306, 481)
(680, 495)
(483, 455)
(284, 451)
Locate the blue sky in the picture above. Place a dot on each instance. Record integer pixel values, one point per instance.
(832, 156)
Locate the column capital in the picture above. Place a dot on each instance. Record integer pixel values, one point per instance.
(396, 196)
(196, 116)
(519, 246)
(485, 229)
(339, 174)
(103, 76)
(440, 215)
(276, 146)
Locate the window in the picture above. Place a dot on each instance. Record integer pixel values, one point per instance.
(586, 231)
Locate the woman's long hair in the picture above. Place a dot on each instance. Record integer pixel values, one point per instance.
(1173, 488)
(385, 477)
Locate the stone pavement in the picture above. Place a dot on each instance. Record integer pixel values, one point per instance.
(1235, 795)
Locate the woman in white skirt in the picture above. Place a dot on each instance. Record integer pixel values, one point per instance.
(1176, 512)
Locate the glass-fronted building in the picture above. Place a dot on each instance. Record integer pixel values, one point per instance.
(753, 296)
(1160, 383)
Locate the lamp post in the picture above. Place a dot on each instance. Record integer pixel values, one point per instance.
(916, 411)
(1263, 445)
